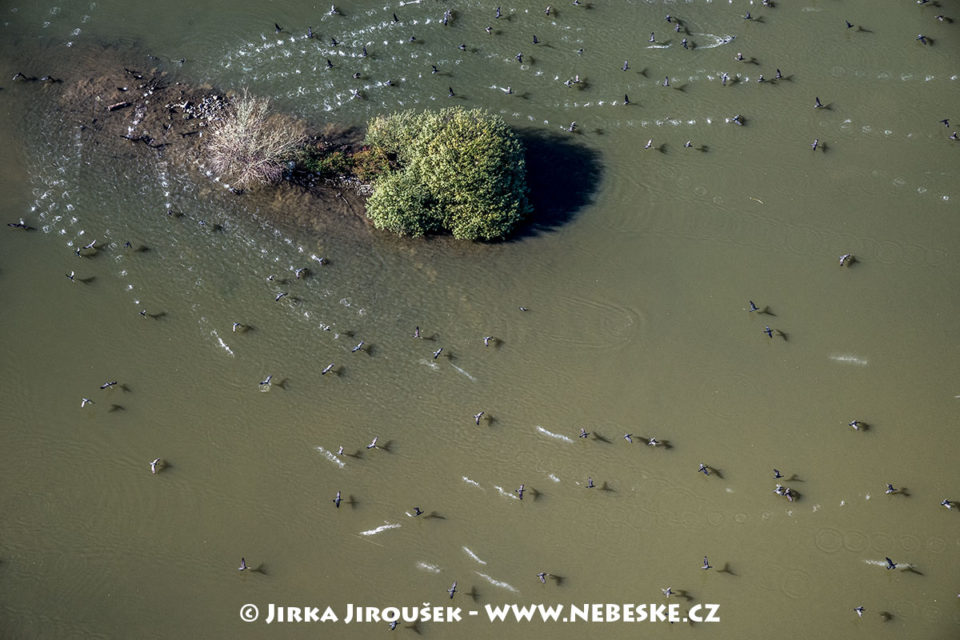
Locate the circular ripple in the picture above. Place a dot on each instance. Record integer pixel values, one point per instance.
(829, 540)
(881, 542)
(794, 583)
(855, 541)
(936, 545)
(931, 613)
(740, 518)
(909, 543)
(714, 518)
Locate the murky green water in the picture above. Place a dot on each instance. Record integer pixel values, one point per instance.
(637, 323)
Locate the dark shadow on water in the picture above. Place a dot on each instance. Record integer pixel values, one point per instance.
(563, 177)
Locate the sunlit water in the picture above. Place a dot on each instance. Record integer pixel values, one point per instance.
(637, 323)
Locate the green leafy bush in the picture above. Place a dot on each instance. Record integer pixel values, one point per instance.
(456, 170)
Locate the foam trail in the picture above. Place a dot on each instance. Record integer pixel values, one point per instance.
(553, 435)
(497, 583)
(383, 527)
(473, 482)
(473, 555)
(426, 566)
(222, 343)
(330, 456)
(472, 379)
(849, 358)
(508, 494)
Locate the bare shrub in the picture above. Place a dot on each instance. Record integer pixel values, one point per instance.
(249, 145)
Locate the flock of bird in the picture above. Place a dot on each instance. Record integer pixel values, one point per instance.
(157, 465)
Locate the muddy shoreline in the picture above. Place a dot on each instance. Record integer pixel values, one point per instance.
(124, 108)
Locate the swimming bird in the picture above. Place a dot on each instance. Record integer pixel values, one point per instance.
(279, 296)
(373, 443)
(107, 385)
(476, 417)
(706, 565)
(243, 564)
(309, 33)
(363, 52)
(417, 511)
(704, 469)
(583, 433)
(625, 65)
(357, 348)
(519, 491)
(590, 484)
(453, 589)
(859, 611)
(856, 424)
(890, 564)
(153, 465)
(628, 437)
(768, 331)
(336, 500)
(436, 354)
(85, 401)
(327, 369)
(847, 259)
(416, 332)
(543, 577)
(20, 224)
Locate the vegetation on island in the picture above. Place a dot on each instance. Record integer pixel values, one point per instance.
(455, 171)
(251, 145)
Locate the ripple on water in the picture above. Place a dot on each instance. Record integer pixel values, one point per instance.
(855, 541)
(594, 323)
